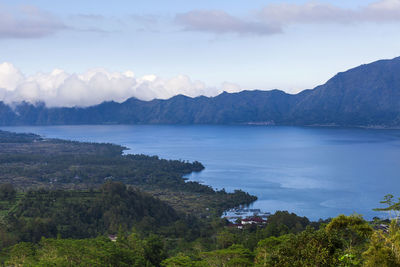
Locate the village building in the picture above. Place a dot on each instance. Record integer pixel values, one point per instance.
(253, 220)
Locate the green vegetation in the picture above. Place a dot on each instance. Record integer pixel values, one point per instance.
(30, 162)
(85, 252)
(343, 241)
(7, 192)
(81, 204)
(83, 214)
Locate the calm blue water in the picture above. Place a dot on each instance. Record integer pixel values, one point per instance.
(314, 172)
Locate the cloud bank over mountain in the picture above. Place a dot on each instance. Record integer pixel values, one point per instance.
(61, 89)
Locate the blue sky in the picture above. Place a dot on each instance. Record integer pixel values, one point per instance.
(290, 45)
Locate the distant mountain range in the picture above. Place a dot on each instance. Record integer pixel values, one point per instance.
(366, 96)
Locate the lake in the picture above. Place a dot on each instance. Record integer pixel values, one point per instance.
(314, 172)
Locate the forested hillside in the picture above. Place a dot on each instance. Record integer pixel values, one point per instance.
(30, 162)
(286, 240)
(53, 188)
(82, 214)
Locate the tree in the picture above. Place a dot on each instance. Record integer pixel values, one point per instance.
(267, 248)
(384, 248)
(236, 255)
(181, 261)
(380, 251)
(308, 248)
(393, 208)
(225, 239)
(154, 250)
(22, 254)
(7, 192)
(354, 230)
(74, 252)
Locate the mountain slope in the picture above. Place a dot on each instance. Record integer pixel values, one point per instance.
(368, 95)
(243, 107)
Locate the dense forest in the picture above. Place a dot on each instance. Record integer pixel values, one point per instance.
(67, 203)
(285, 240)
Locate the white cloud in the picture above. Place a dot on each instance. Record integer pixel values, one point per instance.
(27, 22)
(309, 12)
(274, 17)
(321, 12)
(383, 11)
(95, 86)
(220, 22)
(9, 76)
(147, 22)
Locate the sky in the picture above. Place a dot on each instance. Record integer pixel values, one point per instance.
(80, 53)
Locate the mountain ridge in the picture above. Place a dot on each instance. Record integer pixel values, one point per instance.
(364, 96)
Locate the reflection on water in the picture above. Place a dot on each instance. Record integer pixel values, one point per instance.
(315, 172)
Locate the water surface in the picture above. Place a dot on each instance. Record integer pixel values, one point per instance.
(314, 172)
